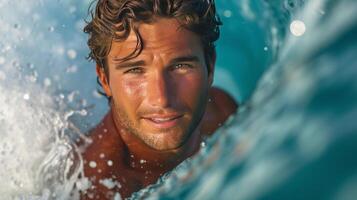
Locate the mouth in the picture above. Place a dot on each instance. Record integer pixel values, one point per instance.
(162, 122)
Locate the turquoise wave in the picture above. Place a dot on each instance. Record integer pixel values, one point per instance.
(295, 137)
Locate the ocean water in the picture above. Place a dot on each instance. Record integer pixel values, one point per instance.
(290, 63)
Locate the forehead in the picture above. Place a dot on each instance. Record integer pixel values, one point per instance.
(164, 36)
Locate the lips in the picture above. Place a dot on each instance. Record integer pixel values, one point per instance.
(163, 121)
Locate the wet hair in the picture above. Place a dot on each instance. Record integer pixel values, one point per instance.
(113, 20)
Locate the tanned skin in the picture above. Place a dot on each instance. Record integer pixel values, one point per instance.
(162, 107)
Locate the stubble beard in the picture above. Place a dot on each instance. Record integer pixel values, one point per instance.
(152, 140)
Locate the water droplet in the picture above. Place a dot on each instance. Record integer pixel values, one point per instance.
(265, 48)
(84, 102)
(2, 75)
(92, 164)
(110, 163)
(117, 196)
(30, 65)
(26, 96)
(72, 54)
(83, 112)
(102, 155)
(51, 29)
(36, 17)
(72, 9)
(32, 78)
(227, 13)
(142, 161)
(47, 82)
(72, 69)
(15, 64)
(71, 96)
(7, 48)
(297, 28)
(203, 144)
(2, 60)
(292, 4)
(59, 50)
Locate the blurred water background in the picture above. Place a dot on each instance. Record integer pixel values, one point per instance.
(291, 63)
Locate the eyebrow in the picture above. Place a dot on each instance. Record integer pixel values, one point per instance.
(129, 64)
(184, 59)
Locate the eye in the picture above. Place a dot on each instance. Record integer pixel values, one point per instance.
(136, 70)
(182, 68)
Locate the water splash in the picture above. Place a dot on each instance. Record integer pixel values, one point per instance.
(36, 153)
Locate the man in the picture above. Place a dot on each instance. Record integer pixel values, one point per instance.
(155, 62)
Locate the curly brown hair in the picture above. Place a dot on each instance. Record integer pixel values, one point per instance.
(114, 19)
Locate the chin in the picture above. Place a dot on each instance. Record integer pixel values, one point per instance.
(166, 147)
(166, 141)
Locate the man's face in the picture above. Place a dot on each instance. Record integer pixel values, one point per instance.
(159, 96)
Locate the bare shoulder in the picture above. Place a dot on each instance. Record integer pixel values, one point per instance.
(102, 138)
(101, 156)
(223, 101)
(105, 145)
(220, 106)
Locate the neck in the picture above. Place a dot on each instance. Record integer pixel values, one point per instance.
(140, 156)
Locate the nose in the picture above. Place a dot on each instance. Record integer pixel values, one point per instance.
(158, 90)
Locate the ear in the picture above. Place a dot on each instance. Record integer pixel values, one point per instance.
(211, 64)
(103, 80)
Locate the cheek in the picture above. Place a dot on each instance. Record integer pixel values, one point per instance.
(192, 88)
(133, 88)
(128, 92)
